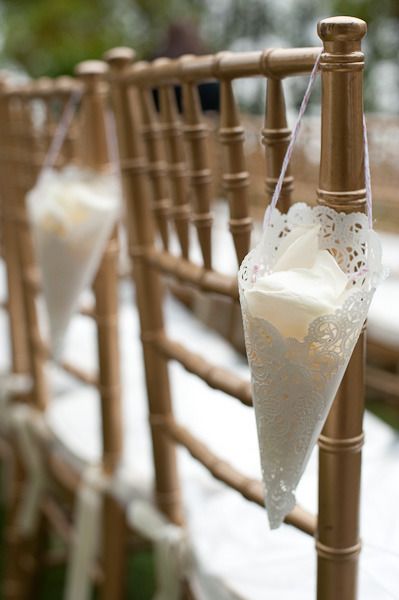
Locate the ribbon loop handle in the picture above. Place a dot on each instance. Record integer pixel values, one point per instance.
(288, 154)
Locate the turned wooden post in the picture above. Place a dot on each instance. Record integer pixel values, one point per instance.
(196, 133)
(235, 174)
(24, 137)
(341, 186)
(157, 165)
(63, 88)
(15, 307)
(276, 137)
(94, 154)
(21, 570)
(44, 87)
(140, 226)
(93, 148)
(171, 128)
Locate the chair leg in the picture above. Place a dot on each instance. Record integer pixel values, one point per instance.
(33, 560)
(114, 550)
(24, 556)
(187, 592)
(13, 577)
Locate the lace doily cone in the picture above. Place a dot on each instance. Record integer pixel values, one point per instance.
(72, 214)
(68, 266)
(295, 381)
(294, 385)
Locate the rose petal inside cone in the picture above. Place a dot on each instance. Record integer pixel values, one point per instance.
(72, 213)
(303, 313)
(305, 283)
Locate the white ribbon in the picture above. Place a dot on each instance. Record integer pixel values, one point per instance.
(290, 148)
(22, 420)
(86, 542)
(170, 548)
(11, 384)
(61, 130)
(169, 540)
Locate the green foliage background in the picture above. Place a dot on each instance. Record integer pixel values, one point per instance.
(48, 37)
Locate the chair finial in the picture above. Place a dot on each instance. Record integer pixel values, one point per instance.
(119, 58)
(92, 69)
(341, 29)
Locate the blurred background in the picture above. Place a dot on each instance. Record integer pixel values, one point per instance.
(49, 37)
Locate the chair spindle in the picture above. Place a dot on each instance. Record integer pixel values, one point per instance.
(341, 186)
(196, 133)
(235, 174)
(276, 137)
(175, 155)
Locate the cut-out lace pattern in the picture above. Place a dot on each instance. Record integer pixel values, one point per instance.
(294, 383)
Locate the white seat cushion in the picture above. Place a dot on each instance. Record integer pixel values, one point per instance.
(236, 554)
(5, 348)
(383, 319)
(390, 252)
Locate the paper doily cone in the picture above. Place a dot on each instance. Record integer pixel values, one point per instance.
(72, 214)
(294, 382)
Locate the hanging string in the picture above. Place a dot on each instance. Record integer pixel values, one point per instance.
(367, 175)
(61, 131)
(112, 140)
(287, 157)
(288, 154)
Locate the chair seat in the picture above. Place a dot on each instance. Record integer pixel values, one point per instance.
(236, 555)
(390, 252)
(4, 330)
(383, 320)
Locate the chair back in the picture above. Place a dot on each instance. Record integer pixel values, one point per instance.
(167, 176)
(9, 191)
(32, 115)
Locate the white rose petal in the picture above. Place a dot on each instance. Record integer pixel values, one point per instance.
(306, 283)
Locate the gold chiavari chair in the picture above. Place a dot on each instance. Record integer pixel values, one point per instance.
(30, 144)
(66, 460)
(382, 375)
(167, 178)
(19, 352)
(15, 384)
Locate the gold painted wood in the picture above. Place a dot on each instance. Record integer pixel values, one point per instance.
(95, 154)
(341, 186)
(177, 168)
(187, 272)
(27, 144)
(385, 383)
(158, 348)
(45, 87)
(63, 87)
(216, 377)
(196, 133)
(276, 137)
(235, 174)
(157, 165)
(64, 479)
(140, 228)
(29, 147)
(251, 489)
(93, 148)
(15, 307)
(26, 251)
(279, 62)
